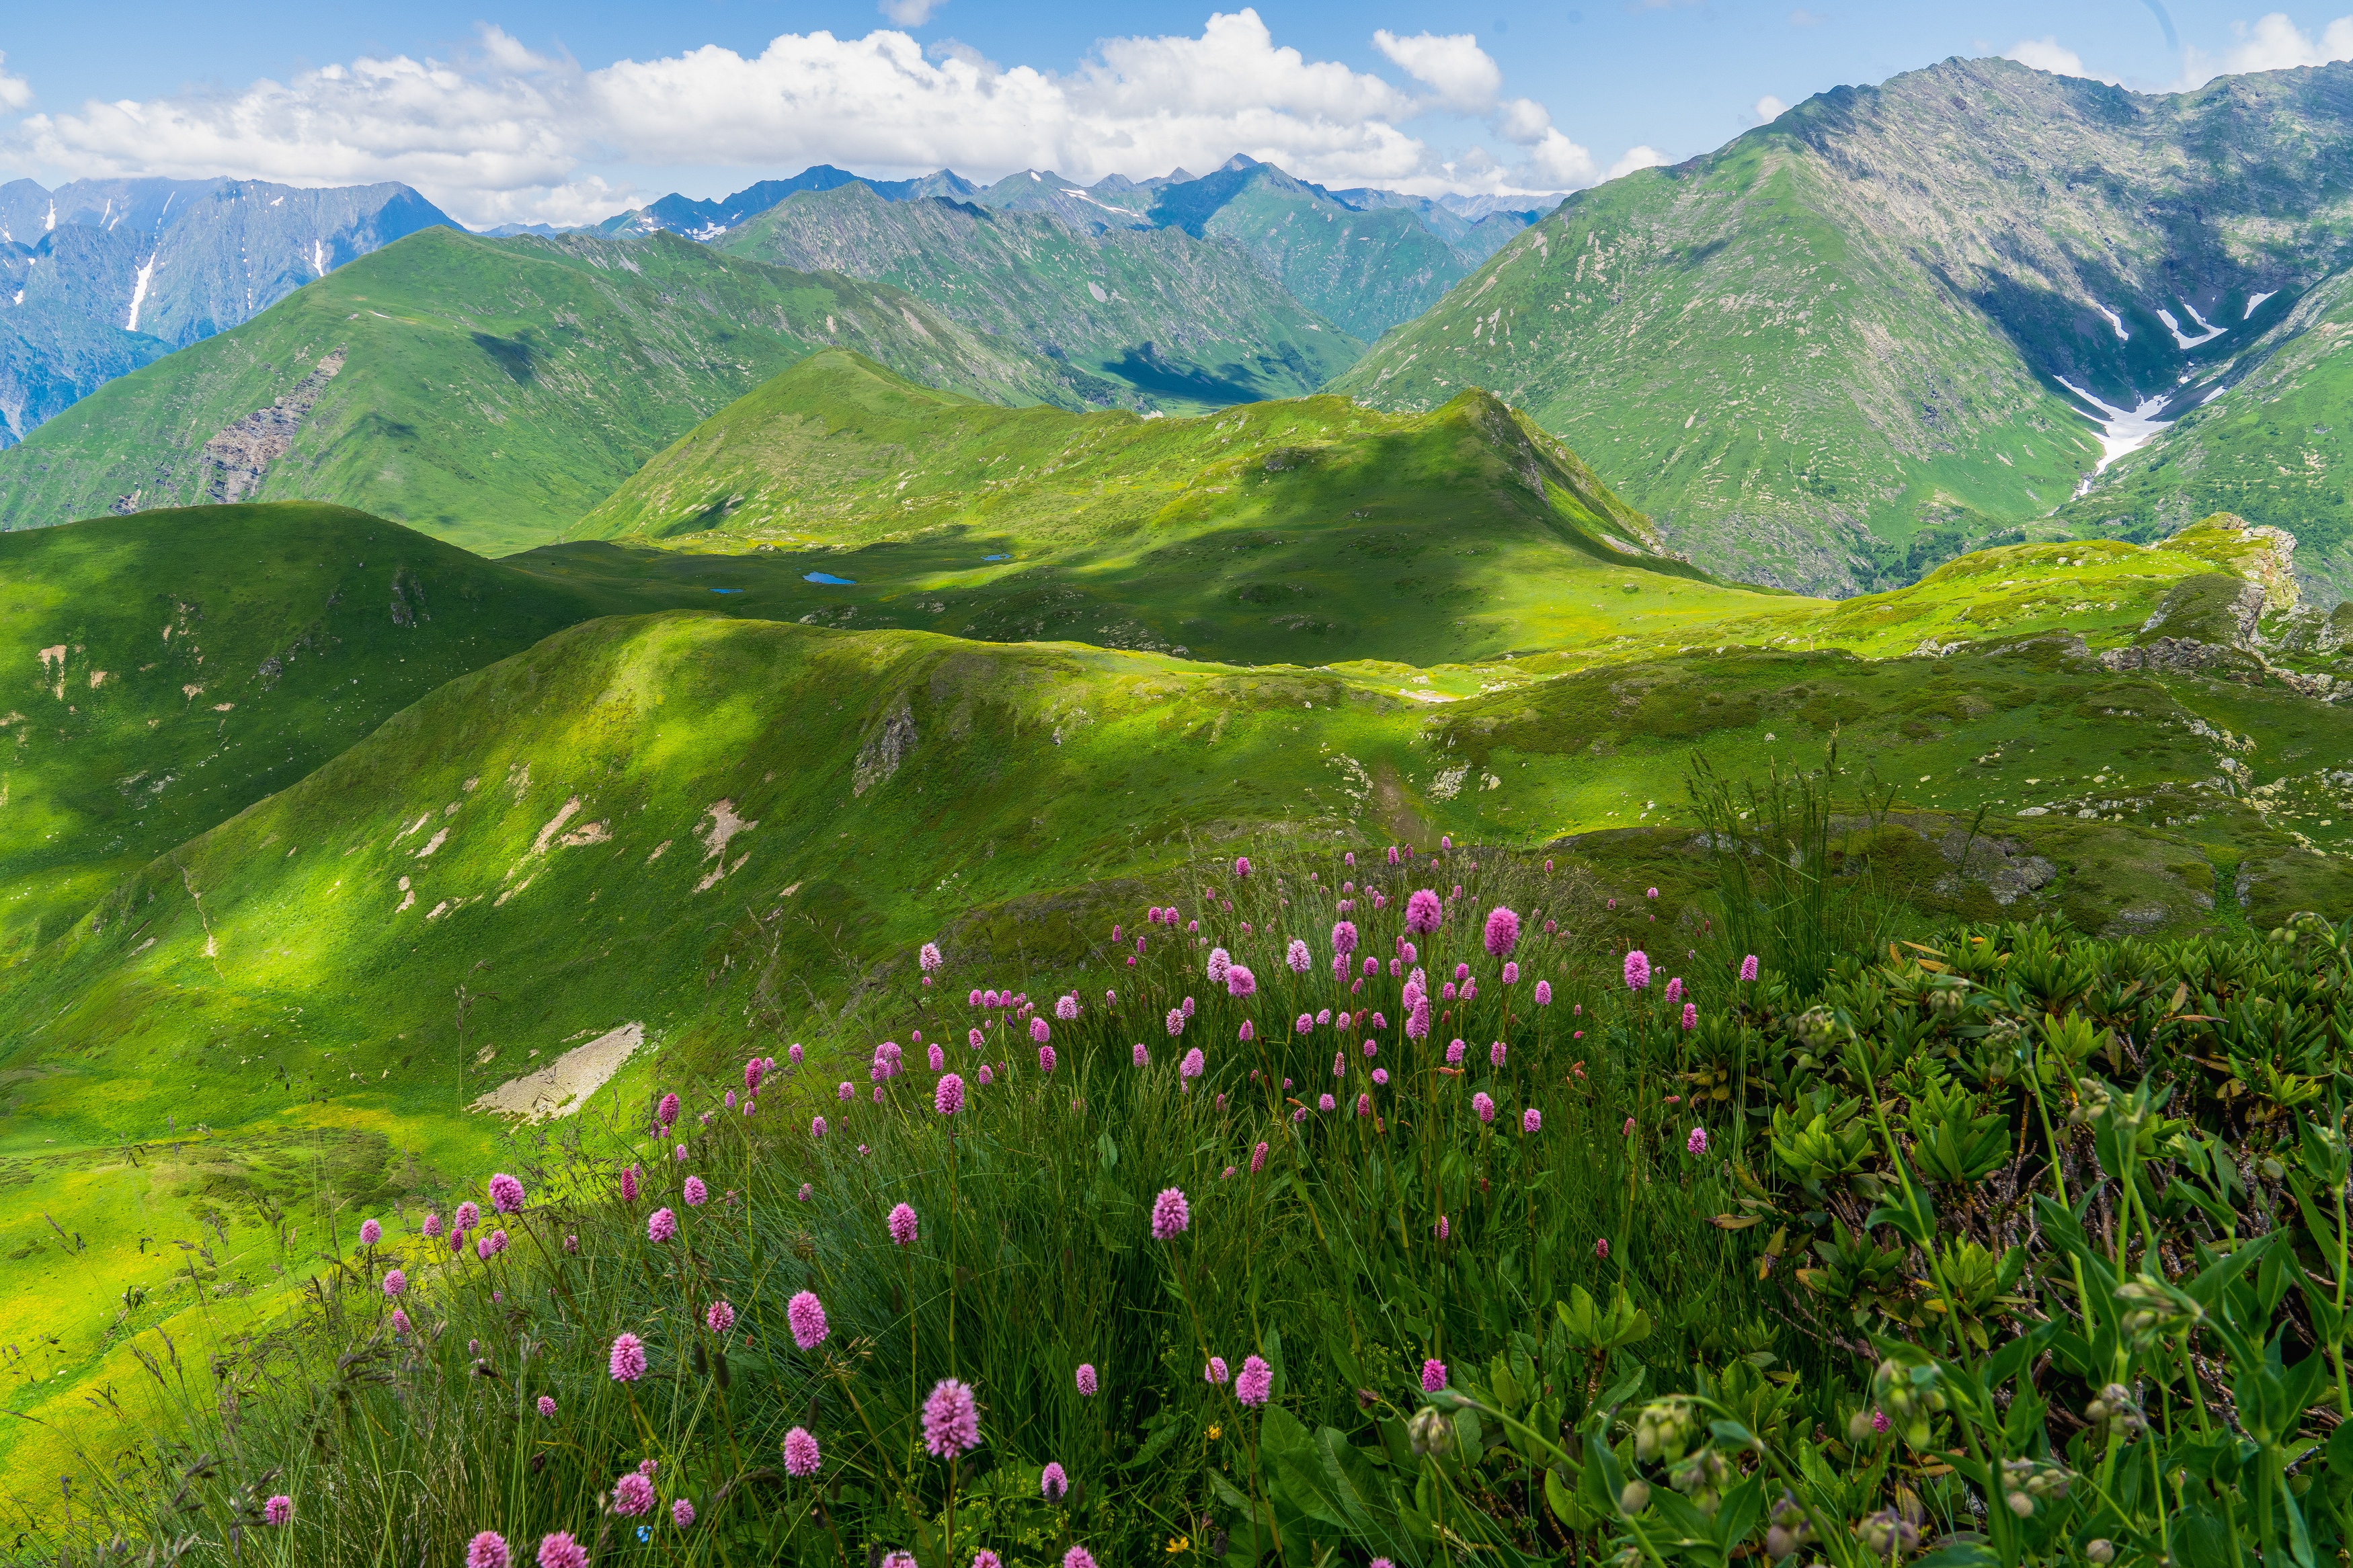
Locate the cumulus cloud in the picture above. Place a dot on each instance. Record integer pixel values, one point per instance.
(909, 13)
(15, 92)
(1769, 109)
(2048, 53)
(1465, 79)
(2273, 43)
(1637, 158)
(503, 132)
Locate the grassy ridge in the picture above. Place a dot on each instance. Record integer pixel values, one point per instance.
(489, 390)
(167, 671)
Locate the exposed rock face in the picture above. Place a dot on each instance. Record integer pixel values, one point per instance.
(885, 748)
(237, 458)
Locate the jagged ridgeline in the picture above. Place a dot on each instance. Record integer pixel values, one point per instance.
(1306, 529)
(1852, 342)
(485, 391)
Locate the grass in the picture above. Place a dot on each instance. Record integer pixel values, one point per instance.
(491, 390)
(1641, 1277)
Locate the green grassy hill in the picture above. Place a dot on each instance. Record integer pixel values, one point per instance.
(1306, 531)
(166, 671)
(487, 392)
(707, 829)
(1188, 324)
(1828, 354)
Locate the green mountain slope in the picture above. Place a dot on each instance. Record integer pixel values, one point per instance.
(1186, 324)
(484, 391)
(1843, 334)
(1308, 529)
(166, 671)
(2272, 441)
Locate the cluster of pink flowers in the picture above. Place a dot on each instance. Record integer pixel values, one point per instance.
(951, 1420)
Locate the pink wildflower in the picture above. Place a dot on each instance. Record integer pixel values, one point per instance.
(1239, 981)
(1443, 1228)
(1363, 1105)
(793, 1052)
(1170, 1214)
(1343, 938)
(846, 1091)
(1638, 969)
(681, 1513)
(1078, 1557)
(633, 1494)
(697, 1192)
(1544, 993)
(1141, 1057)
(1381, 1075)
(487, 1549)
(1417, 1021)
(394, 1282)
(278, 1509)
(1044, 1057)
(902, 1225)
(1325, 1102)
(802, 1456)
(560, 1551)
(1749, 967)
(1297, 956)
(627, 1360)
(1531, 1120)
(816, 1126)
(1503, 932)
(1674, 990)
(1038, 1031)
(468, 1216)
(1256, 1381)
(370, 1233)
(1601, 1248)
(1054, 1485)
(1510, 974)
(1497, 1052)
(1215, 1373)
(1241, 865)
(806, 1315)
(1086, 1378)
(1484, 1106)
(432, 1226)
(928, 956)
(661, 1225)
(399, 1322)
(1066, 1007)
(947, 1095)
(1433, 1376)
(1423, 912)
(546, 1407)
(984, 1076)
(1454, 1053)
(667, 1112)
(1690, 1014)
(506, 1193)
(951, 1420)
(1697, 1142)
(721, 1316)
(1257, 1159)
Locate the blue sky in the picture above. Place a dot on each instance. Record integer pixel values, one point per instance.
(524, 108)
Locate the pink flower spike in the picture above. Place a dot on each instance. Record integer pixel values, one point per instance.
(370, 1233)
(902, 1225)
(394, 1282)
(697, 1192)
(546, 1407)
(1483, 1105)
(633, 1495)
(487, 1549)
(1258, 1160)
(1531, 1120)
(560, 1551)
(1170, 1214)
(506, 1193)
(816, 1126)
(1697, 1142)
(1544, 993)
(1628, 1130)
(1638, 969)
(947, 1095)
(1601, 1248)
(1433, 1376)
(1053, 1484)
(667, 1112)
(1078, 1557)
(802, 1456)
(721, 1316)
(1141, 1057)
(1690, 1014)
(627, 1360)
(951, 1420)
(660, 1226)
(1503, 932)
(681, 1513)
(278, 1509)
(1215, 1373)
(1256, 1383)
(467, 1216)
(1086, 1378)
(806, 1315)
(1045, 1056)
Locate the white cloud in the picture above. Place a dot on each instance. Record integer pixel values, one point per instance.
(2273, 43)
(15, 92)
(1802, 17)
(2048, 53)
(1464, 77)
(1637, 158)
(1769, 109)
(502, 132)
(909, 13)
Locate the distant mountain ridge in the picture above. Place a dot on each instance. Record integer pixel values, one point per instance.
(99, 276)
(1854, 340)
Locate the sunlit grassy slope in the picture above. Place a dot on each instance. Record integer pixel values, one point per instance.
(715, 828)
(489, 390)
(160, 673)
(1306, 531)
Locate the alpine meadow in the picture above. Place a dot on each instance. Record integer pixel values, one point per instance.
(1228, 870)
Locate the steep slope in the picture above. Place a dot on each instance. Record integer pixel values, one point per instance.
(165, 671)
(1845, 332)
(95, 273)
(1307, 529)
(2270, 438)
(484, 391)
(1186, 324)
(1367, 267)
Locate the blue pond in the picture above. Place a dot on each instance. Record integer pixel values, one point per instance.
(996, 558)
(726, 590)
(829, 580)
